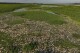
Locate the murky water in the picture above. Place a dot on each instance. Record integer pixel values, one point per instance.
(20, 10)
(50, 12)
(24, 9)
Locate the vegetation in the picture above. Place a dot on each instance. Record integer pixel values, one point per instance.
(4, 38)
(76, 36)
(65, 43)
(11, 7)
(15, 21)
(72, 11)
(31, 46)
(9, 44)
(17, 37)
(41, 16)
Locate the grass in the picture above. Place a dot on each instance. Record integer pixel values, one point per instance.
(15, 21)
(76, 36)
(41, 16)
(66, 44)
(5, 41)
(31, 46)
(4, 38)
(8, 44)
(72, 11)
(11, 7)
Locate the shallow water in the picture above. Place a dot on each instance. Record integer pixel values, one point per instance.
(50, 12)
(20, 10)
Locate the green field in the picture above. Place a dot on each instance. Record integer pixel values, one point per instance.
(17, 34)
(41, 16)
(65, 10)
(72, 11)
(11, 7)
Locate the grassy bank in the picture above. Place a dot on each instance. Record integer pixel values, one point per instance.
(11, 7)
(72, 11)
(41, 16)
